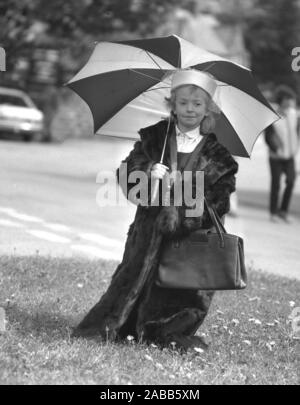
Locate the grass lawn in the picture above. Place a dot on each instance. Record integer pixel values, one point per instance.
(250, 333)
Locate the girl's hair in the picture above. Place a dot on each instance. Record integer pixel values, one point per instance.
(209, 121)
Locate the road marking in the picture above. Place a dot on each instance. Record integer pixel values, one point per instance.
(23, 217)
(57, 227)
(100, 239)
(12, 224)
(52, 237)
(7, 210)
(26, 218)
(95, 252)
(109, 248)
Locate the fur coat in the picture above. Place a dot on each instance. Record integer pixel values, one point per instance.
(133, 304)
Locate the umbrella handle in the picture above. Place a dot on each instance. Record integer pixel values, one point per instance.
(156, 183)
(154, 191)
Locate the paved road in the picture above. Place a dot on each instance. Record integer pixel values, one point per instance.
(48, 205)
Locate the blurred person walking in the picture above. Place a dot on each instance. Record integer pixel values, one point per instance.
(282, 139)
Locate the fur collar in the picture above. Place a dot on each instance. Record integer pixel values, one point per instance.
(213, 152)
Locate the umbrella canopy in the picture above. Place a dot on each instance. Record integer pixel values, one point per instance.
(125, 85)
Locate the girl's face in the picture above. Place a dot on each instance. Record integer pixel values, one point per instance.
(190, 107)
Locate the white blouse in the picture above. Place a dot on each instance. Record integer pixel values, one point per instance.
(187, 141)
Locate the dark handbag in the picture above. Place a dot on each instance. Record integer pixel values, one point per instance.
(203, 260)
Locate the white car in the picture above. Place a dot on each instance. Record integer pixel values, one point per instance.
(19, 115)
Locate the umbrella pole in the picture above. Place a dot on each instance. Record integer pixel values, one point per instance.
(156, 182)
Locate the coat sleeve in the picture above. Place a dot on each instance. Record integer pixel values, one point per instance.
(218, 195)
(137, 160)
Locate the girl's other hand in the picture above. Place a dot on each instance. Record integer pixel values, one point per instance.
(159, 170)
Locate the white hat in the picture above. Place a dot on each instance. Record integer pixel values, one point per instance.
(195, 77)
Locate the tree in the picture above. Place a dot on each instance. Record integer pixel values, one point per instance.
(68, 28)
(67, 21)
(73, 26)
(271, 34)
(16, 18)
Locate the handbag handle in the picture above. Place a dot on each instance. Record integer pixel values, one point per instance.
(213, 213)
(217, 222)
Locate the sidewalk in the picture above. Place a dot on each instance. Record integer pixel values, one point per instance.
(268, 246)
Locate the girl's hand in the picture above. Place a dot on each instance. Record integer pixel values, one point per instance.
(159, 170)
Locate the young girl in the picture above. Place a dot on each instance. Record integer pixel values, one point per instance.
(133, 303)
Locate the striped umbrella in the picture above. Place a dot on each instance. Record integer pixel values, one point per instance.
(125, 85)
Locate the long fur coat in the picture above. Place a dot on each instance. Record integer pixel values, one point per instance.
(133, 304)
